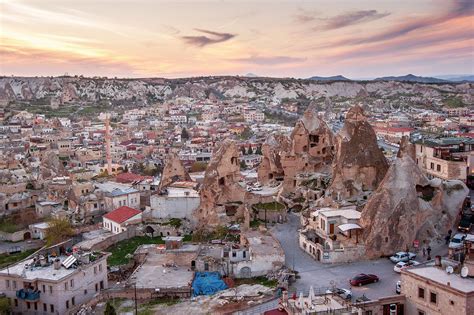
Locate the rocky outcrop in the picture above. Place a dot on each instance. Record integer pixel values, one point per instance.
(222, 196)
(359, 165)
(173, 171)
(270, 168)
(407, 207)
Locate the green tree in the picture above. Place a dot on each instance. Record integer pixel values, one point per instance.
(109, 309)
(243, 166)
(244, 152)
(5, 307)
(58, 231)
(258, 151)
(250, 151)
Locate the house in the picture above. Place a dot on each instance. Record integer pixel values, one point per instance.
(179, 200)
(54, 284)
(445, 158)
(332, 235)
(117, 220)
(45, 208)
(38, 230)
(117, 195)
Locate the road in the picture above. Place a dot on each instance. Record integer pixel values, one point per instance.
(318, 275)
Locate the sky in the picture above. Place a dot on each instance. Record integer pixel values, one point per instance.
(173, 38)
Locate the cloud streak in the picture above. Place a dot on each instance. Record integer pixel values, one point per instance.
(210, 38)
(269, 60)
(352, 18)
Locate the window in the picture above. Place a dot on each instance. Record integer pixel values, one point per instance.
(45, 307)
(50, 290)
(433, 297)
(14, 284)
(421, 312)
(85, 292)
(368, 312)
(95, 270)
(28, 305)
(44, 288)
(244, 254)
(96, 287)
(421, 293)
(102, 285)
(71, 283)
(438, 168)
(65, 286)
(67, 304)
(432, 166)
(7, 284)
(234, 254)
(100, 267)
(36, 306)
(73, 301)
(16, 302)
(51, 308)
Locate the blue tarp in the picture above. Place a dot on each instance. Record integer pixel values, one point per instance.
(208, 283)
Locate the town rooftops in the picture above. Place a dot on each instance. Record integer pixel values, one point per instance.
(439, 275)
(131, 177)
(115, 189)
(448, 141)
(122, 214)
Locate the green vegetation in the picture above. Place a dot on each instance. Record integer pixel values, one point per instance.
(6, 260)
(109, 309)
(454, 101)
(255, 223)
(6, 225)
(147, 308)
(122, 249)
(5, 307)
(258, 280)
(270, 206)
(174, 222)
(59, 230)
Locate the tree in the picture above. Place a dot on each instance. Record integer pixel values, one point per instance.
(58, 231)
(243, 166)
(250, 151)
(184, 134)
(5, 307)
(244, 152)
(109, 309)
(259, 151)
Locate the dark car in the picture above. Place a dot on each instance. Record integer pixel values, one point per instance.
(362, 279)
(465, 223)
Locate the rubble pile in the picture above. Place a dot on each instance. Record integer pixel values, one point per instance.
(407, 206)
(173, 171)
(359, 165)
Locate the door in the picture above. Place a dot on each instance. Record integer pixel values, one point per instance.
(331, 228)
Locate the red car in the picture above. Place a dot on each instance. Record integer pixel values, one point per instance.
(362, 279)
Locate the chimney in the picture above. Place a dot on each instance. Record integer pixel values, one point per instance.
(438, 261)
(57, 264)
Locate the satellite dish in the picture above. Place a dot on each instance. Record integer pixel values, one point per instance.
(464, 272)
(449, 269)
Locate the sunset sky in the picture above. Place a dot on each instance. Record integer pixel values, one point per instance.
(145, 38)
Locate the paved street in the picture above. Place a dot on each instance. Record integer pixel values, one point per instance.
(320, 275)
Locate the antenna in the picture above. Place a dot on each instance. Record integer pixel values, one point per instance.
(464, 271)
(449, 269)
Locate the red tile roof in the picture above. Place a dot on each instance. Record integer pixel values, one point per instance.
(122, 214)
(130, 178)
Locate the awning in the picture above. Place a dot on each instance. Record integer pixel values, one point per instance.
(348, 226)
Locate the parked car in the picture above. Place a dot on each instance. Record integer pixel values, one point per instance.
(403, 265)
(402, 256)
(457, 241)
(398, 287)
(466, 223)
(344, 293)
(362, 279)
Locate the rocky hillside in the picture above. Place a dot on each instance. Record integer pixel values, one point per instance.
(271, 90)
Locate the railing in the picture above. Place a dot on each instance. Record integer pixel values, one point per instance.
(28, 294)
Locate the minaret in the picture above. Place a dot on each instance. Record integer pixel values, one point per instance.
(107, 144)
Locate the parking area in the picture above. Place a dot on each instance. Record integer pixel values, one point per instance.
(318, 275)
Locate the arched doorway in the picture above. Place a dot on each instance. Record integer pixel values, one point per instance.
(318, 255)
(245, 272)
(27, 236)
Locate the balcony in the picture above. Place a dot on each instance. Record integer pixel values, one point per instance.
(29, 295)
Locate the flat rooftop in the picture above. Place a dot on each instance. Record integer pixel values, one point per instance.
(440, 276)
(346, 213)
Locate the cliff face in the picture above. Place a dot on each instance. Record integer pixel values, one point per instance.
(173, 171)
(270, 168)
(221, 194)
(407, 207)
(359, 164)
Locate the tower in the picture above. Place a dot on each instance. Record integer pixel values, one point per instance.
(107, 144)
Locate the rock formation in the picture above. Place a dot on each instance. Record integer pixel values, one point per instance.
(407, 207)
(173, 171)
(359, 164)
(270, 168)
(310, 149)
(222, 196)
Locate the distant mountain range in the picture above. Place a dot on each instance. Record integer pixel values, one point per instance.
(405, 78)
(333, 78)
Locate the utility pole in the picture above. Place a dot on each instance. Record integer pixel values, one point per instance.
(136, 304)
(107, 144)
